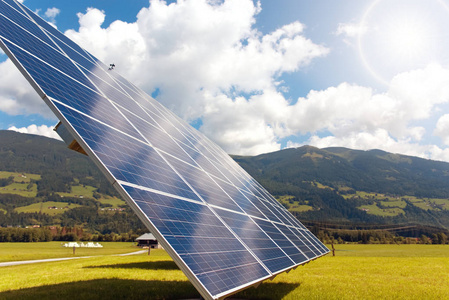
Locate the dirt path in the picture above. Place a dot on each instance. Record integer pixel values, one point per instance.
(24, 262)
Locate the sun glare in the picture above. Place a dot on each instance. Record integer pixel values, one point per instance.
(403, 35)
(407, 39)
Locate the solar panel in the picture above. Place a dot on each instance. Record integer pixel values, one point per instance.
(221, 227)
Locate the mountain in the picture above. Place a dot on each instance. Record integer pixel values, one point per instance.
(344, 185)
(42, 182)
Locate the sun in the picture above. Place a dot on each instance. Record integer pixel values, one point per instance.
(408, 39)
(403, 35)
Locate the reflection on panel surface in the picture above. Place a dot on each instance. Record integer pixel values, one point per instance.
(223, 229)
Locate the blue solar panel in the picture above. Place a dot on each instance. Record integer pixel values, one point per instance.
(221, 227)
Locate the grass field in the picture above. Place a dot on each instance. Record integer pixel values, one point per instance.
(20, 184)
(20, 189)
(19, 177)
(373, 209)
(44, 207)
(356, 272)
(114, 201)
(292, 205)
(80, 191)
(31, 251)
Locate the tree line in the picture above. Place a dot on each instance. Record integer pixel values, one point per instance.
(66, 234)
(378, 237)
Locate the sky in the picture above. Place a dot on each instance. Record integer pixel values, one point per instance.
(261, 76)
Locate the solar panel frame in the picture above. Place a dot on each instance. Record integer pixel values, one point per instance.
(211, 156)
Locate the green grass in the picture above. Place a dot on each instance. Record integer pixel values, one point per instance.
(356, 272)
(321, 186)
(431, 203)
(20, 184)
(394, 203)
(19, 189)
(114, 201)
(44, 207)
(18, 176)
(443, 203)
(300, 208)
(79, 190)
(292, 205)
(373, 209)
(422, 205)
(31, 251)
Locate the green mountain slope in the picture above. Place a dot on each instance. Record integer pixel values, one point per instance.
(44, 183)
(338, 184)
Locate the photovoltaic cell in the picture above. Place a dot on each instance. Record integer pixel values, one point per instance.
(221, 227)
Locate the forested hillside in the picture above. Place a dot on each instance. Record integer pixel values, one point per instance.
(43, 183)
(341, 185)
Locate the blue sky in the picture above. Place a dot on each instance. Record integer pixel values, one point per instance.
(257, 77)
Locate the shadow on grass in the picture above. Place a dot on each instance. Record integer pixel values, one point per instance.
(148, 265)
(267, 291)
(107, 289)
(137, 289)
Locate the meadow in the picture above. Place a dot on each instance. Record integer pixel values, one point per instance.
(356, 272)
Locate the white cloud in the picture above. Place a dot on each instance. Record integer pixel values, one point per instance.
(380, 139)
(351, 30)
(204, 56)
(43, 130)
(16, 94)
(357, 117)
(442, 129)
(201, 56)
(51, 13)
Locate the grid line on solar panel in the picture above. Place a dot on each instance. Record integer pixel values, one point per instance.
(159, 139)
(221, 281)
(12, 3)
(280, 215)
(168, 119)
(131, 185)
(300, 257)
(126, 160)
(314, 243)
(26, 24)
(262, 207)
(204, 185)
(298, 242)
(50, 30)
(73, 54)
(112, 89)
(206, 163)
(211, 263)
(302, 237)
(317, 243)
(42, 50)
(265, 238)
(243, 202)
(51, 44)
(184, 158)
(268, 252)
(59, 86)
(147, 105)
(280, 239)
